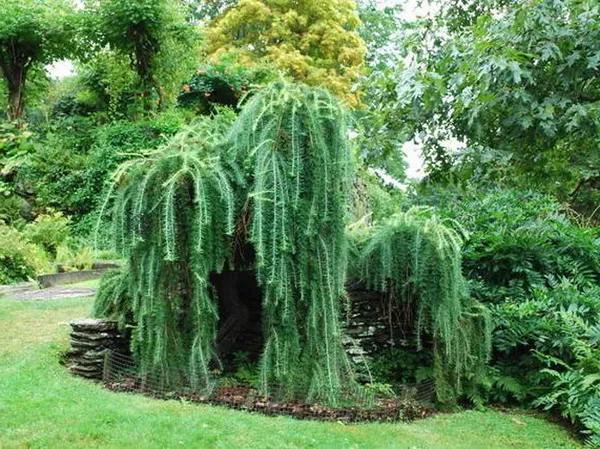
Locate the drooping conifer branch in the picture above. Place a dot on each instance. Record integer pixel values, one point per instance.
(295, 140)
(172, 213)
(284, 168)
(416, 257)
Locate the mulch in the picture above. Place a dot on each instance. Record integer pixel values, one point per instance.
(244, 397)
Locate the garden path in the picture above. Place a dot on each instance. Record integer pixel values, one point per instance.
(51, 293)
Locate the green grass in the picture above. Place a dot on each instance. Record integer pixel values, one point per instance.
(41, 406)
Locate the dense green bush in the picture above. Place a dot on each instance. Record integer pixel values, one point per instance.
(403, 365)
(74, 157)
(181, 213)
(548, 351)
(517, 240)
(539, 271)
(15, 147)
(49, 231)
(19, 259)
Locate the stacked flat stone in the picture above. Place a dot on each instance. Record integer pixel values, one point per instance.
(90, 340)
(367, 329)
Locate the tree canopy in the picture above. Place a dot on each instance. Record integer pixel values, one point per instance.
(153, 34)
(32, 33)
(522, 93)
(315, 42)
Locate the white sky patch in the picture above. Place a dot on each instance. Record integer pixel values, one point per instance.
(414, 159)
(61, 69)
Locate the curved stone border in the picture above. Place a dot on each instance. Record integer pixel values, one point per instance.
(52, 293)
(91, 339)
(72, 277)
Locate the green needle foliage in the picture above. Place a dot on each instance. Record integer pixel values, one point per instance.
(293, 139)
(415, 258)
(172, 212)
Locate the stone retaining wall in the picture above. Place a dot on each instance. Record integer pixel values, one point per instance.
(368, 326)
(367, 331)
(90, 340)
(72, 277)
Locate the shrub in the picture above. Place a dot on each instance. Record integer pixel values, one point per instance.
(19, 259)
(81, 258)
(48, 231)
(73, 160)
(15, 149)
(540, 272)
(11, 208)
(401, 365)
(292, 140)
(518, 241)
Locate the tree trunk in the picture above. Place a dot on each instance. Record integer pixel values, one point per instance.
(233, 312)
(14, 68)
(15, 101)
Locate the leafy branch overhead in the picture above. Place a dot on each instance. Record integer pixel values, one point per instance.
(522, 93)
(32, 33)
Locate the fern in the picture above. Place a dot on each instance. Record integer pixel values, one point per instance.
(591, 420)
(415, 257)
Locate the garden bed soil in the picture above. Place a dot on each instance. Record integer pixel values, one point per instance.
(244, 397)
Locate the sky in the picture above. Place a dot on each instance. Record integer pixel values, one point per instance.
(412, 10)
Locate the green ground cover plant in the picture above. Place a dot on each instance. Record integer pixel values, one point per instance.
(537, 268)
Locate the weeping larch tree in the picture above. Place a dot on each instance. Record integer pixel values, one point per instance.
(276, 180)
(414, 259)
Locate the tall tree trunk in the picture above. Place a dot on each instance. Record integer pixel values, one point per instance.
(14, 69)
(146, 47)
(15, 100)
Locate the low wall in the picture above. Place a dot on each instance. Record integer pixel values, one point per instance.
(369, 327)
(91, 339)
(72, 277)
(367, 324)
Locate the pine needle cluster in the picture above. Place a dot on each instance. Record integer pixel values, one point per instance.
(415, 258)
(173, 213)
(294, 139)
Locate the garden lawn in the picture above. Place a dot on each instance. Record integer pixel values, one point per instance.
(42, 405)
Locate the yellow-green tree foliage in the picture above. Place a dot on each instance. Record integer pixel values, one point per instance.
(313, 41)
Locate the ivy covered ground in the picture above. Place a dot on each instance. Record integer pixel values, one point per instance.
(41, 405)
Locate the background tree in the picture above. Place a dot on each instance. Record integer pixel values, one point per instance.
(315, 42)
(201, 10)
(453, 16)
(382, 129)
(32, 33)
(153, 34)
(522, 93)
